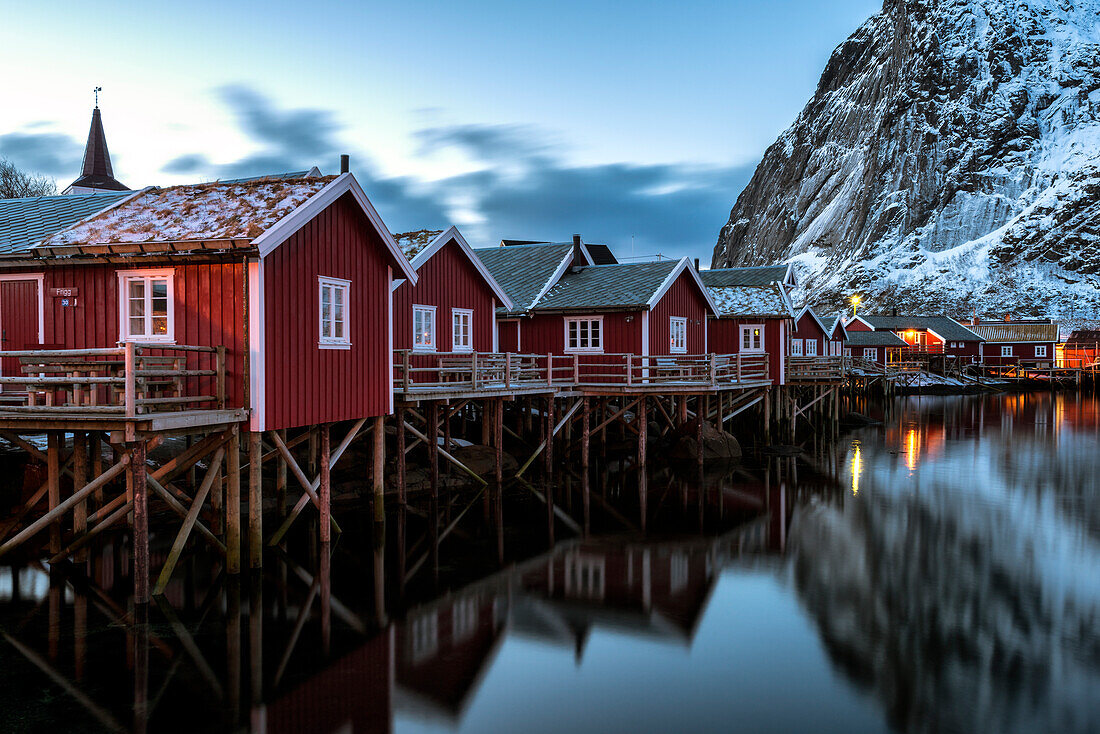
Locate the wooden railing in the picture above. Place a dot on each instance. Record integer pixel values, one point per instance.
(128, 380)
(815, 369)
(418, 371)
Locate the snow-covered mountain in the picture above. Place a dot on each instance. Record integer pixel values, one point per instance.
(948, 161)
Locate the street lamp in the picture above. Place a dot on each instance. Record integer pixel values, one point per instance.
(855, 301)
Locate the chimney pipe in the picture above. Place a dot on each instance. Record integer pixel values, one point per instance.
(345, 163)
(697, 265)
(578, 256)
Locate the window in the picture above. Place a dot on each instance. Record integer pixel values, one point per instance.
(1041, 351)
(1006, 351)
(464, 617)
(677, 572)
(870, 352)
(146, 309)
(752, 338)
(424, 328)
(678, 329)
(811, 347)
(425, 636)
(796, 347)
(333, 304)
(461, 330)
(584, 334)
(584, 576)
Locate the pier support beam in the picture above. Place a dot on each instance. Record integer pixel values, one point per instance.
(379, 436)
(255, 501)
(324, 488)
(53, 480)
(233, 504)
(136, 479)
(400, 425)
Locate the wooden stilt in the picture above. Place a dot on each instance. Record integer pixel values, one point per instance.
(212, 474)
(498, 476)
(280, 481)
(699, 439)
(80, 478)
(233, 505)
(95, 451)
(379, 436)
(586, 436)
(53, 478)
(141, 522)
(255, 501)
(324, 488)
(400, 425)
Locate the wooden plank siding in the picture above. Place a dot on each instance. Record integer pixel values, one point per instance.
(724, 337)
(306, 385)
(208, 310)
(545, 333)
(447, 280)
(508, 336)
(807, 329)
(683, 299)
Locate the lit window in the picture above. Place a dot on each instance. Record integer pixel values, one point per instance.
(811, 347)
(1041, 351)
(333, 314)
(147, 306)
(796, 347)
(461, 329)
(752, 338)
(424, 328)
(678, 328)
(584, 334)
(1006, 351)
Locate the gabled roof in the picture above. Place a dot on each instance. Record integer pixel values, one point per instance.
(262, 213)
(1084, 338)
(526, 272)
(875, 339)
(751, 300)
(807, 310)
(26, 222)
(314, 172)
(1016, 331)
(838, 323)
(420, 246)
(96, 172)
(622, 286)
(942, 326)
(761, 275)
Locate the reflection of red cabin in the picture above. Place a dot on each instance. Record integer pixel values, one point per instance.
(750, 319)
(306, 261)
(455, 298)
(1029, 343)
(810, 334)
(564, 305)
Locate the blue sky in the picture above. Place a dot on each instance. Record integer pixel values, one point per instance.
(521, 120)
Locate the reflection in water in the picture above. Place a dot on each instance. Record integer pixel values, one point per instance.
(934, 573)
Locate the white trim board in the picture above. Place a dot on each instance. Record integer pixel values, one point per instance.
(684, 264)
(257, 339)
(441, 241)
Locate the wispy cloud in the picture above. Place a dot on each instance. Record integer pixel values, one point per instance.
(50, 154)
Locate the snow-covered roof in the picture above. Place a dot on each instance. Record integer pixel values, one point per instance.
(210, 211)
(413, 243)
(1016, 331)
(751, 300)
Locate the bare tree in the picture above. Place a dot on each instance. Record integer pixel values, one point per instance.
(16, 184)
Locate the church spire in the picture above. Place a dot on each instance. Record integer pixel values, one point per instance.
(96, 175)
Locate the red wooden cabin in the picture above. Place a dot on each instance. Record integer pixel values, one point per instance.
(289, 276)
(838, 338)
(1031, 343)
(751, 319)
(924, 335)
(452, 307)
(1082, 349)
(810, 334)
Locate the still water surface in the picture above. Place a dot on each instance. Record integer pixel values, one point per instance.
(937, 572)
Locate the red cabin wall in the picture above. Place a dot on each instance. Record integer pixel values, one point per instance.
(307, 385)
(545, 333)
(724, 337)
(1020, 351)
(508, 336)
(807, 329)
(682, 299)
(208, 311)
(447, 280)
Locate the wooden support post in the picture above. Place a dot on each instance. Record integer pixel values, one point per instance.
(586, 436)
(233, 504)
(280, 481)
(255, 501)
(548, 455)
(700, 450)
(324, 489)
(80, 478)
(53, 479)
(400, 425)
(141, 522)
(95, 451)
(643, 432)
(498, 485)
(433, 448)
(212, 474)
(379, 468)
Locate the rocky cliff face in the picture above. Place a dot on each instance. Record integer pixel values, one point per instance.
(949, 161)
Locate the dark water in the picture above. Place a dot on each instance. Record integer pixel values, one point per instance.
(938, 572)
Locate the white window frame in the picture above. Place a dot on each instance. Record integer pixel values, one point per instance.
(1006, 351)
(741, 338)
(796, 347)
(424, 347)
(677, 324)
(1040, 350)
(468, 313)
(591, 349)
(335, 285)
(125, 277)
(870, 353)
(811, 347)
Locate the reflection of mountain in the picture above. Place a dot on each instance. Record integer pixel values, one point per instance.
(965, 606)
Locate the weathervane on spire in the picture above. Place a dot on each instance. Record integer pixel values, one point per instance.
(96, 91)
